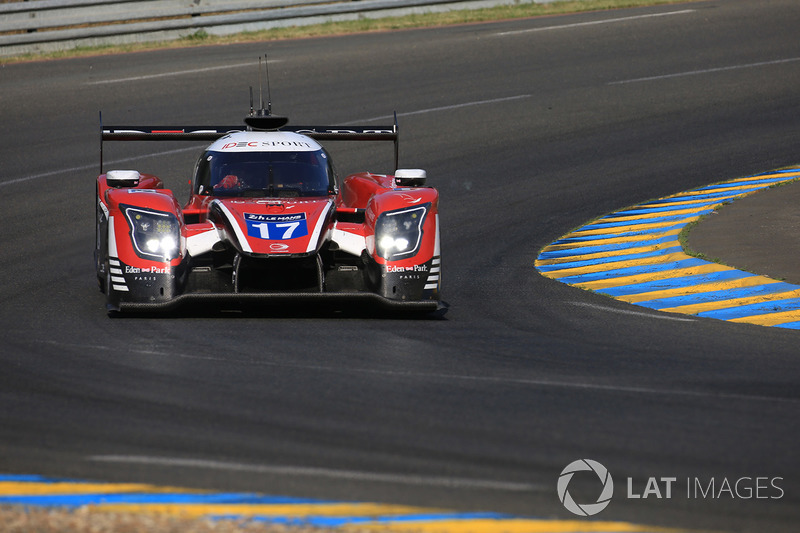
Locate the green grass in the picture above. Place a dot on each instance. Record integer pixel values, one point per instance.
(683, 239)
(364, 25)
(683, 236)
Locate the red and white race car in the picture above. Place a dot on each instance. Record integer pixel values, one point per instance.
(267, 219)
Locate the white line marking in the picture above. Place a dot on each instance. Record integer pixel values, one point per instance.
(83, 350)
(175, 73)
(634, 313)
(156, 154)
(442, 108)
(96, 166)
(707, 71)
(595, 22)
(406, 479)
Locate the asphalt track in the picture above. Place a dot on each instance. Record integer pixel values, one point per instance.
(529, 129)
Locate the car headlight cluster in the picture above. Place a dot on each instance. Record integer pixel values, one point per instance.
(155, 234)
(398, 234)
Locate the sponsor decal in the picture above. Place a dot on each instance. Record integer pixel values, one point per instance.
(140, 277)
(415, 268)
(267, 144)
(410, 199)
(276, 227)
(414, 272)
(147, 270)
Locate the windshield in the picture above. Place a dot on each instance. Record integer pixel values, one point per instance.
(267, 174)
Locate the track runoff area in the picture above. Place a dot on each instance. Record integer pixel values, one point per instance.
(634, 255)
(249, 508)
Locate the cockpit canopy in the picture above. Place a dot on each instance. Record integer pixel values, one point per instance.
(263, 165)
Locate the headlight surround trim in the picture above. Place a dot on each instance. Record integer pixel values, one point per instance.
(155, 235)
(398, 233)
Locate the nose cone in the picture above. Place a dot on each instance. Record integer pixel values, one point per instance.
(272, 227)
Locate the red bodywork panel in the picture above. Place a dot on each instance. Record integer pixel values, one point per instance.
(275, 226)
(148, 194)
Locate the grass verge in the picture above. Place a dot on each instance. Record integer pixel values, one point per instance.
(428, 20)
(683, 236)
(18, 519)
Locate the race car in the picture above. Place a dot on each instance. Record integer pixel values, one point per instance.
(267, 220)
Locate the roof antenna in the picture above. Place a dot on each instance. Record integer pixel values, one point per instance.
(260, 89)
(263, 119)
(269, 93)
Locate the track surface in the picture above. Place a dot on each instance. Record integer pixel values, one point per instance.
(527, 135)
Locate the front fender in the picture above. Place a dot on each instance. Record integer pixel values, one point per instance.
(138, 270)
(403, 244)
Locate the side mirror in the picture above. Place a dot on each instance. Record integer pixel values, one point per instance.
(123, 178)
(410, 177)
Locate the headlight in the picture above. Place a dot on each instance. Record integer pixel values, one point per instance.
(155, 234)
(398, 234)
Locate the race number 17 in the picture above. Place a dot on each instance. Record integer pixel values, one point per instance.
(267, 229)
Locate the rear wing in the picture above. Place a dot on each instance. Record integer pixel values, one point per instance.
(212, 133)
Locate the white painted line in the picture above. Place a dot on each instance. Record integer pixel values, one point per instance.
(197, 148)
(595, 22)
(405, 479)
(96, 166)
(707, 71)
(498, 380)
(175, 73)
(633, 313)
(442, 108)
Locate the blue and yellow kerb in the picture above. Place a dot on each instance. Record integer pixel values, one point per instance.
(37, 491)
(634, 255)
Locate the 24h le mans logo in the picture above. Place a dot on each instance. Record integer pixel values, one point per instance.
(586, 509)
